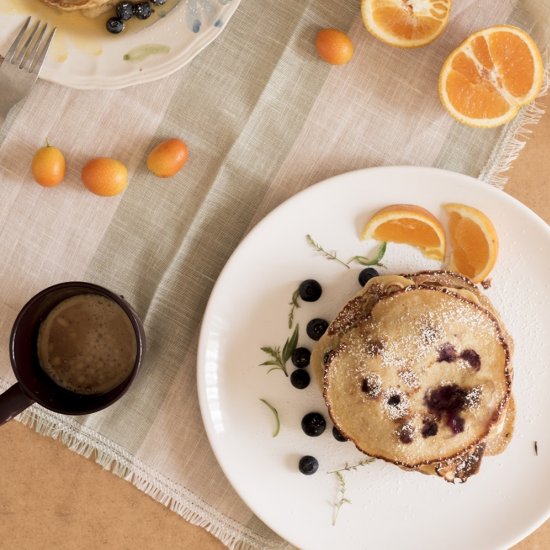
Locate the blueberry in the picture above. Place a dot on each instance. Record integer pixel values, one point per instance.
(446, 398)
(308, 465)
(371, 385)
(406, 433)
(394, 400)
(366, 275)
(310, 290)
(447, 353)
(300, 357)
(316, 328)
(456, 423)
(158, 2)
(429, 428)
(300, 379)
(338, 434)
(124, 10)
(142, 10)
(115, 25)
(472, 357)
(313, 424)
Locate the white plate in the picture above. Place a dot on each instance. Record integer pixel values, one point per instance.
(95, 60)
(248, 309)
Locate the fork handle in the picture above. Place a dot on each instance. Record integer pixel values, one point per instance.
(3, 117)
(5, 109)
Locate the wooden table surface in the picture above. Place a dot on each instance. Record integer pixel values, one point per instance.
(52, 498)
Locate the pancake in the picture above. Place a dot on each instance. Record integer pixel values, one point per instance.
(90, 8)
(416, 370)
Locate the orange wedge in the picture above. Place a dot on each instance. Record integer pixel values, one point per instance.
(489, 77)
(405, 23)
(408, 224)
(474, 241)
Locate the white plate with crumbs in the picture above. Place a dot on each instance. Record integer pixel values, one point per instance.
(84, 55)
(381, 506)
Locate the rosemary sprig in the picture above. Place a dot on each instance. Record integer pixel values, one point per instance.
(323, 252)
(293, 305)
(363, 260)
(279, 358)
(276, 414)
(341, 496)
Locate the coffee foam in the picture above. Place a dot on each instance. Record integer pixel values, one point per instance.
(87, 344)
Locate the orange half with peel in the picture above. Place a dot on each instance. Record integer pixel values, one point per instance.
(474, 241)
(408, 224)
(405, 23)
(489, 77)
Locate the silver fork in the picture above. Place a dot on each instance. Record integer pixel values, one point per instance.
(22, 63)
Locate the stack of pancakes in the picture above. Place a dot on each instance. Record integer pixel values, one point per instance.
(415, 370)
(90, 8)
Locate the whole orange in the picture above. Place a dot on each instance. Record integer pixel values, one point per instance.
(334, 46)
(167, 158)
(105, 176)
(48, 166)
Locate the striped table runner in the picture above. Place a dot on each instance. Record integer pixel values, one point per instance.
(263, 118)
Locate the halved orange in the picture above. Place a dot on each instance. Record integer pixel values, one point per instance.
(405, 23)
(474, 241)
(489, 77)
(408, 224)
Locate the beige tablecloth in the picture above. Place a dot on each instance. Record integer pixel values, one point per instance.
(263, 118)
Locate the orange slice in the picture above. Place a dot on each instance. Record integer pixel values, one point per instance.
(408, 224)
(489, 77)
(405, 23)
(474, 241)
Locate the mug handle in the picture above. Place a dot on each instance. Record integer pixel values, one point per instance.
(12, 402)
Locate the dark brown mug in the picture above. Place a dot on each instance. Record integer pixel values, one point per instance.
(33, 384)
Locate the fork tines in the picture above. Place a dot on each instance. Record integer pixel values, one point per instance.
(33, 51)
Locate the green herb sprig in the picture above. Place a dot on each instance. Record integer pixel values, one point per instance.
(276, 414)
(279, 358)
(363, 260)
(323, 252)
(293, 306)
(341, 498)
(377, 260)
(349, 468)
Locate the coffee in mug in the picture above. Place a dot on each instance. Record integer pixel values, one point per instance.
(87, 344)
(75, 348)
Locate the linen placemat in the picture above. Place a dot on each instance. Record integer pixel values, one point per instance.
(263, 118)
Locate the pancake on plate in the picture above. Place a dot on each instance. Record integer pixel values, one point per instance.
(415, 370)
(90, 8)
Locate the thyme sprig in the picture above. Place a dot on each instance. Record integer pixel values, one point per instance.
(363, 260)
(353, 467)
(323, 252)
(275, 414)
(341, 498)
(377, 260)
(293, 306)
(279, 358)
